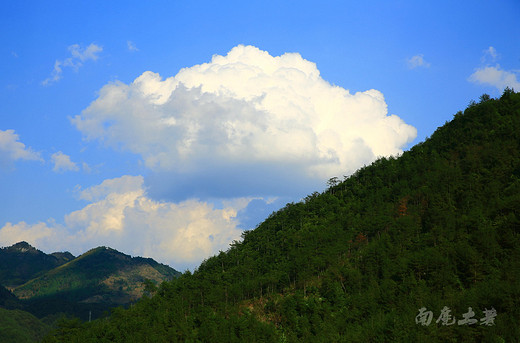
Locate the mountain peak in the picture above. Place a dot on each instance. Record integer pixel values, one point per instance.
(22, 246)
(21, 262)
(102, 276)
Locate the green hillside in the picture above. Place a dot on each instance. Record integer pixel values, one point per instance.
(84, 287)
(20, 327)
(8, 300)
(93, 282)
(436, 229)
(21, 262)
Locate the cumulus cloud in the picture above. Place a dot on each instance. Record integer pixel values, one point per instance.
(121, 185)
(417, 61)
(11, 234)
(11, 149)
(62, 163)
(78, 56)
(245, 111)
(121, 215)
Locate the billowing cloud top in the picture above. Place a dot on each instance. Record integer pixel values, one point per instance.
(247, 108)
(237, 130)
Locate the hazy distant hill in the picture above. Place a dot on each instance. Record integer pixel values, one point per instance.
(46, 284)
(101, 275)
(21, 262)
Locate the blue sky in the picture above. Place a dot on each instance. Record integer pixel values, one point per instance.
(165, 128)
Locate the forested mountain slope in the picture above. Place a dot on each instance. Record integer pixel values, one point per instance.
(436, 229)
(21, 262)
(93, 282)
(86, 287)
(18, 326)
(101, 269)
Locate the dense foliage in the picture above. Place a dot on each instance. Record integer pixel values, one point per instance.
(8, 300)
(21, 262)
(84, 287)
(18, 326)
(92, 268)
(91, 284)
(436, 227)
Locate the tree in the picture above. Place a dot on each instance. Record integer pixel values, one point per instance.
(484, 97)
(149, 287)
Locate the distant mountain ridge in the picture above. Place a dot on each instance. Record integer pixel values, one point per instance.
(44, 284)
(100, 275)
(22, 262)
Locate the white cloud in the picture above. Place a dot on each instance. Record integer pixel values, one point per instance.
(496, 77)
(11, 149)
(417, 61)
(36, 233)
(78, 56)
(490, 54)
(89, 53)
(121, 185)
(63, 163)
(245, 111)
(122, 216)
(131, 46)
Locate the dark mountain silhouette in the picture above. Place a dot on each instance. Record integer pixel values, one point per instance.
(22, 262)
